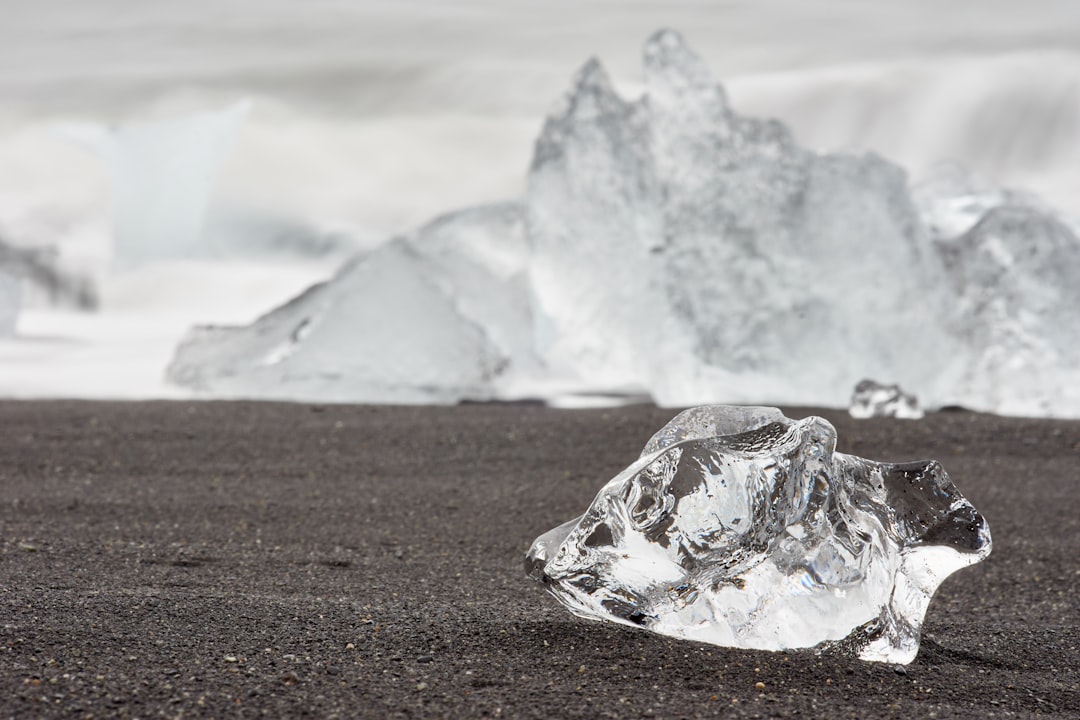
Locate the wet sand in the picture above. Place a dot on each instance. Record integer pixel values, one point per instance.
(248, 559)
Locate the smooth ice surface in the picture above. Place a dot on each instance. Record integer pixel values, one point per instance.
(741, 527)
(874, 399)
(432, 318)
(163, 176)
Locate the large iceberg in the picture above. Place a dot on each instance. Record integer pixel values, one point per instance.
(431, 318)
(681, 246)
(1013, 269)
(670, 246)
(34, 274)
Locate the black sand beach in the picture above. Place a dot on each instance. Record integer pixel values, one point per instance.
(244, 559)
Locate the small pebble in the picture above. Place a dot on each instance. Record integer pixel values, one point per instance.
(421, 686)
(350, 646)
(230, 658)
(759, 685)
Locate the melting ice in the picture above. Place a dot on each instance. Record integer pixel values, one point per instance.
(670, 246)
(740, 527)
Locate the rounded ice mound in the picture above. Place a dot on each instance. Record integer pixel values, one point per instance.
(744, 528)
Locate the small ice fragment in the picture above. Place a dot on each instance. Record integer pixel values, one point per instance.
(874, 399)
(741, 527)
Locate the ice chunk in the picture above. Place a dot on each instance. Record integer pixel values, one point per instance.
(874, 399)
(433, 318)
(32, 274)
(10, 293)
(593, 223)
(1015, 273)
(700, 254)
(163, 175)
(743, 528)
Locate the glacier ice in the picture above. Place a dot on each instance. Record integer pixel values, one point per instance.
(432, 318)
(1015, 275)
(10, 298)
(43, 280)
(27, 274)
(678, 245)
(740, 527)
(873, 399)
(163, 176)
(667, 245)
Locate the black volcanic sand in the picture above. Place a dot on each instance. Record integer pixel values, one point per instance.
(244, 559)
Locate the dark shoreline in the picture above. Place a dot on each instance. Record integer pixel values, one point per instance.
(245, 559)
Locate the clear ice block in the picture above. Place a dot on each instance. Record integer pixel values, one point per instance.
(743, 528)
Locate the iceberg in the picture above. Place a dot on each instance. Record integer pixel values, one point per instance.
(10, 298)
(703, 255)
(418, 320)
(1015, 277)
(670, 247)
(39, 272)
(163, 176)
(743, 528)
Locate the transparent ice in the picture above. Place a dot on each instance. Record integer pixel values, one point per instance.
(163, 177)
(743, 528)
(702, 254)
(874, 399)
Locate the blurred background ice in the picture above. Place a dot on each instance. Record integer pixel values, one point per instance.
(366, 119)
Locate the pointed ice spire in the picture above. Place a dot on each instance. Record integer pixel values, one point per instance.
(590, 98)
(675, 73)
(592, 93)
